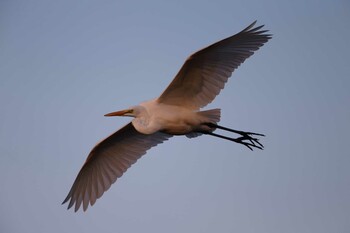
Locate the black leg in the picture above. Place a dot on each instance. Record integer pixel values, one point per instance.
(215, 126)
(246, 139)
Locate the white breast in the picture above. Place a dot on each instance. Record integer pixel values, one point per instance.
(168, 118)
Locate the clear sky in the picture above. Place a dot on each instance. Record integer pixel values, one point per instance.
(63, 64)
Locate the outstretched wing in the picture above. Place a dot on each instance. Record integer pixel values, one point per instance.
(107, 161)
(205, 72)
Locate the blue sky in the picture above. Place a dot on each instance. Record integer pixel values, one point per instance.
(63, 64)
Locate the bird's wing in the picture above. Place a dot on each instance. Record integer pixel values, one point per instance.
(107, 161)
(205, 72)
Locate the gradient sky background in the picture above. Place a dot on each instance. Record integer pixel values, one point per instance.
(63, 64)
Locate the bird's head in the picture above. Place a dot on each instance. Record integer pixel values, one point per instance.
(130, 112)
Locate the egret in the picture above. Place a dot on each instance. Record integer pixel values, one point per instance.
(175, 112)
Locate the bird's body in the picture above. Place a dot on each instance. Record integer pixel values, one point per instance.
(152, 116)
(177, 111)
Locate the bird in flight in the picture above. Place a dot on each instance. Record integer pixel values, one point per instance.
(175, 112)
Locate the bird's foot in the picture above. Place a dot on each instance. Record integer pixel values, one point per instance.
(247, 138)
(249, 141)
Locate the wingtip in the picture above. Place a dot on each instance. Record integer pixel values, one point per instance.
(250, 26)
(65, 200)
(256, 30)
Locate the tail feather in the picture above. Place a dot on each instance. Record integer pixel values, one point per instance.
(212, 115)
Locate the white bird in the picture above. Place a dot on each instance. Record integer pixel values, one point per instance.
(175, 112)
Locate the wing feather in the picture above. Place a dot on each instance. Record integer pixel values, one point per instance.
(205, 72)
(107, 161)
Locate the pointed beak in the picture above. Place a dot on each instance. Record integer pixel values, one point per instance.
(125, 112)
